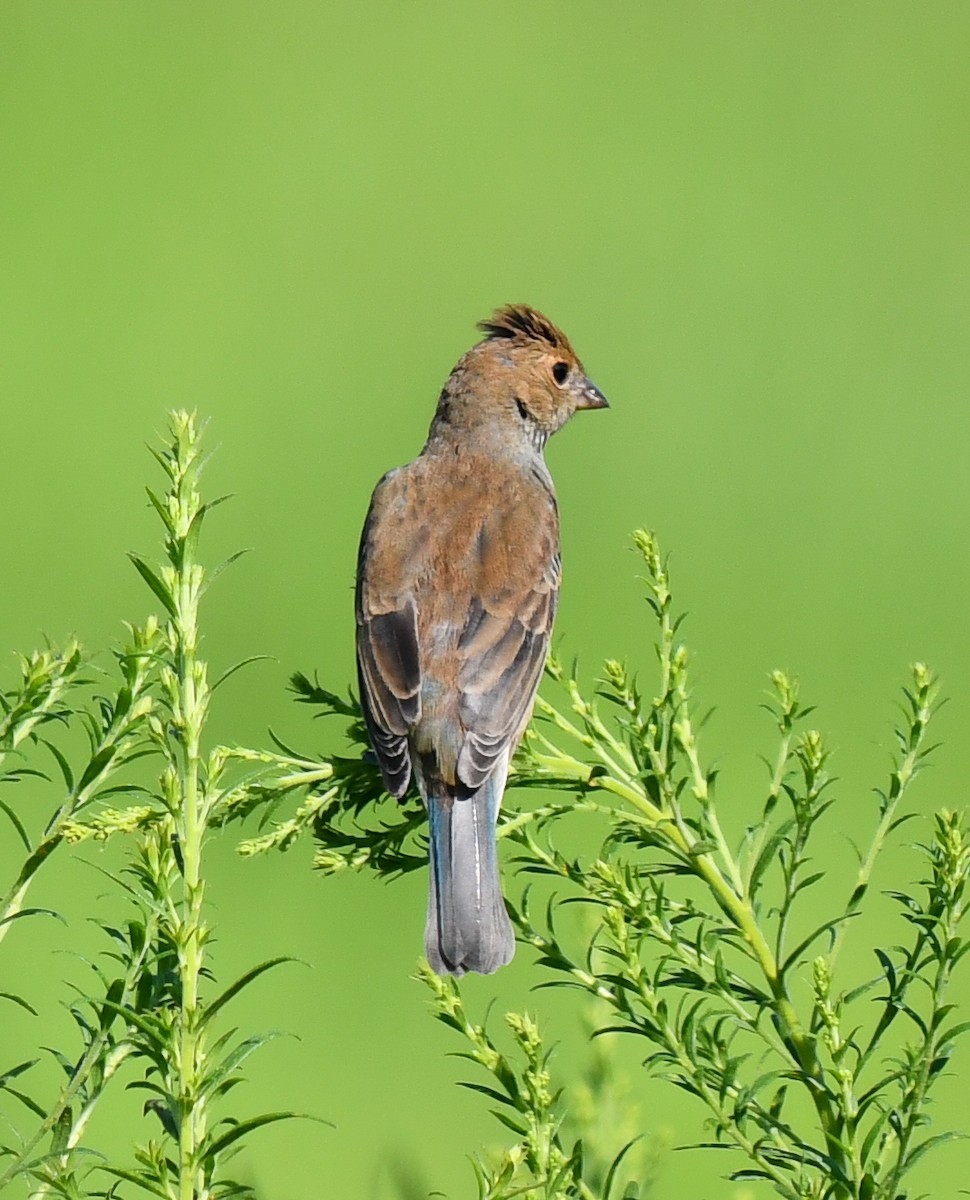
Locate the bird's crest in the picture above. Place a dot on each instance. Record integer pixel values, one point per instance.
(526, 324)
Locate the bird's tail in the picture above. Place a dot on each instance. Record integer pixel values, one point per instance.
(468, 928)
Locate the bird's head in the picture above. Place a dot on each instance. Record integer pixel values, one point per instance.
(524, 376)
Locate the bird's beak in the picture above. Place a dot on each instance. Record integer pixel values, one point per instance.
(589, 396)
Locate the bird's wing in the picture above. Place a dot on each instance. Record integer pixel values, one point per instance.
(502, 647)
(388, 662)
(457, 584)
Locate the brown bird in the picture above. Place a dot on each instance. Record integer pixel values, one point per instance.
(457, 583)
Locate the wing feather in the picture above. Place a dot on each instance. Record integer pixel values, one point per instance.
(455, 606)
(388, 658)
(503, 654)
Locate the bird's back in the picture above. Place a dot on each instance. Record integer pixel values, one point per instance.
(473, 545)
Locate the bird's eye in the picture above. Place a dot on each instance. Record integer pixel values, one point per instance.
(560, 372)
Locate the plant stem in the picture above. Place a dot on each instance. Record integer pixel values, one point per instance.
(922, 701)
(189, 712)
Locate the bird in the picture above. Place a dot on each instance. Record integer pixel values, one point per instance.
(458, 578)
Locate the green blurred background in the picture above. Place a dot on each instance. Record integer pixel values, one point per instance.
(752, 221)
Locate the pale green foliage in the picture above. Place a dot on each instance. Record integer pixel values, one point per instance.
(551, 1157)
(56, 691)
(151, 1011)
(707, 979)
(708, 954)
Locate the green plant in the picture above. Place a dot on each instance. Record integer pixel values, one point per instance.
(156, 1007)
(557, 1153)
(708, 955)
(695, 949)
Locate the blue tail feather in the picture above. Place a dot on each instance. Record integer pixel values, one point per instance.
(468, 928)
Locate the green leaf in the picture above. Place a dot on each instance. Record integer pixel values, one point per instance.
(518, 1127)
(17, 1070)
(615, 1165)
(216, 1146)
(313, 693)
(701, 847)
(872, 1137)
(31, 912)
(926, 1146)
(139, 1179)
(804, 944)
(487, 1091)
(242, 982)
(226, 562)
(97, 766)
(215, 1080)
(954, 1031)
(227, 674)
(153, 1029)
(112, 1002)
(18, 826)
(62, 763)
(767, 856)
(61, 1133)
(153, 581)
(18, 1000)
(24, 1099)
(162, 511)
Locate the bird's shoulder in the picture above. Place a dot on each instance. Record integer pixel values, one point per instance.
(461, 524)
(448, 489)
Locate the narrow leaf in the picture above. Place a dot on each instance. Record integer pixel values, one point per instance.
(242, 982)
(161, 510)
(19, 1000)
(153, 581)
(217, 570)
(24, 1099)
(31, 912)
(615, 1165)
(487, 1091)
(62, 763)
(239, 666)
(17, 824)
(145, 1182)
(219, 1144)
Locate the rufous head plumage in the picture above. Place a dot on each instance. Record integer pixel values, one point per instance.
(524, 377)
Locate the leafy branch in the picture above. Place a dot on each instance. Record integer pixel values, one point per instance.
(154, 1006)
(711, 979)
(541, 1163)
(719, 959)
